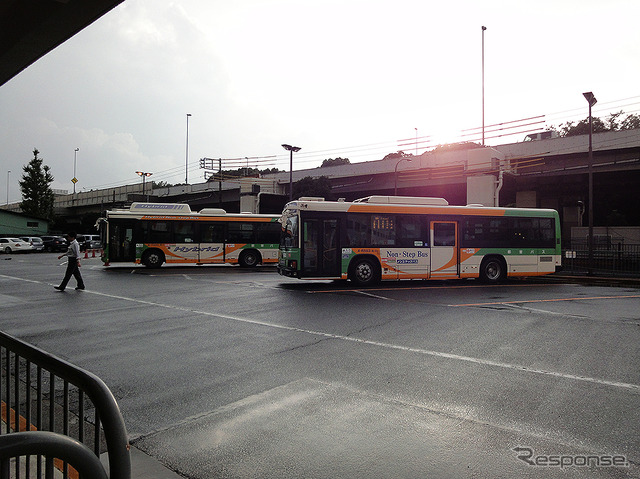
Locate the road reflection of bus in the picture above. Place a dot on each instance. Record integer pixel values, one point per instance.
(158, 233)
(387, 237)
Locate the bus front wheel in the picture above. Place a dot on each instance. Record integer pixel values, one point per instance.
(249, 258)
(365, 272)
(153, 258)
(493, 269)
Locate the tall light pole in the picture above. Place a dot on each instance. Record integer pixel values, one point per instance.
(75, 180)
(291, 149)
(186, 155)
(416, 141)
(590, 97)
(8, 171)
(483, 29)
(395, 175)
(144, 177)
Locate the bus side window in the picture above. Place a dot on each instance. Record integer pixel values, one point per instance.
(239, 232)
(412, 232)
(444, 234)
(156, 231)
(359, 230)
(212, 233)
(183, 232)
(383, 230)
(267, 233)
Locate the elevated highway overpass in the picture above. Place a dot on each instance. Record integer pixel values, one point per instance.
(548, 173)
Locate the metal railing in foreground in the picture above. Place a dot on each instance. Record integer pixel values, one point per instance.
(614, 259)
(49, 445)
(41, 392)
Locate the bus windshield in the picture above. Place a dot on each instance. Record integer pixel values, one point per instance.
(289, 231)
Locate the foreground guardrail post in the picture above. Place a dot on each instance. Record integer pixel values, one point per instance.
(16, 372)
(52, 445)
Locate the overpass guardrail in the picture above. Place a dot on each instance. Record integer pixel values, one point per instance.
(56, 415)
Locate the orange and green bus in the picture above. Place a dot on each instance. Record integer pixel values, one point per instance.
(392, 238)
(156, 233)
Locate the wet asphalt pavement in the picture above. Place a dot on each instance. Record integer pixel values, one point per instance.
(225, 372)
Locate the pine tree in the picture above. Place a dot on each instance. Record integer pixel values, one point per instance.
(37, 196)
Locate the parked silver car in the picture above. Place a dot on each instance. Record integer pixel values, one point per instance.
(36, 243)
(88, 242)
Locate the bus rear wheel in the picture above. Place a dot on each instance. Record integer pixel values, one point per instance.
(364, 272)
(493, 269)
(249, 258)
(153, 258)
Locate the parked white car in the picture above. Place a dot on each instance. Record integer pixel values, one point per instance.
(36, 243)
(14, 245)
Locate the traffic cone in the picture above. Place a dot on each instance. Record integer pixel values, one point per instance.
(93, 253)
(86, 254)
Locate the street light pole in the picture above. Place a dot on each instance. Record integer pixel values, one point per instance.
(8, 171)
(291, 149)
(395, 175)
(75, 180)
(144, 177)
(590, 97)
(186, 155)
(483, 29)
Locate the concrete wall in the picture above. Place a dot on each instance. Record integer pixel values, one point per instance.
(572, 144)
(481, 190)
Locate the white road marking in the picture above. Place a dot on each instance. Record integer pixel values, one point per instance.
(457, 357)
(397, 347)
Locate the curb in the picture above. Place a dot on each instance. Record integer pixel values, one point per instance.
(592, 280)
(144, 466)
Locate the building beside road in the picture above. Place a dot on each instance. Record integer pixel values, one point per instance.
(18, 224)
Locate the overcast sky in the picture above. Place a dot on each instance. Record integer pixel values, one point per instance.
(343, 78)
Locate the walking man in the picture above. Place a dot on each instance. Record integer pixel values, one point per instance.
(73, 264)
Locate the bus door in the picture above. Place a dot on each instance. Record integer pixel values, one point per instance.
(445, 261)
(320, 247)
(120, 241)
(212, 242)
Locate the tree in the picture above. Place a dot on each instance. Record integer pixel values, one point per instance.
(308, 186)
(37, 196)
(397, 155)
(582, 127)
(612, 123)
(335, 162)
(630, 122)
(463, 145)
(240, 172)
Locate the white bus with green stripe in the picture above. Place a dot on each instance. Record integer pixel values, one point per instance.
(157, 233)
(392, 238)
